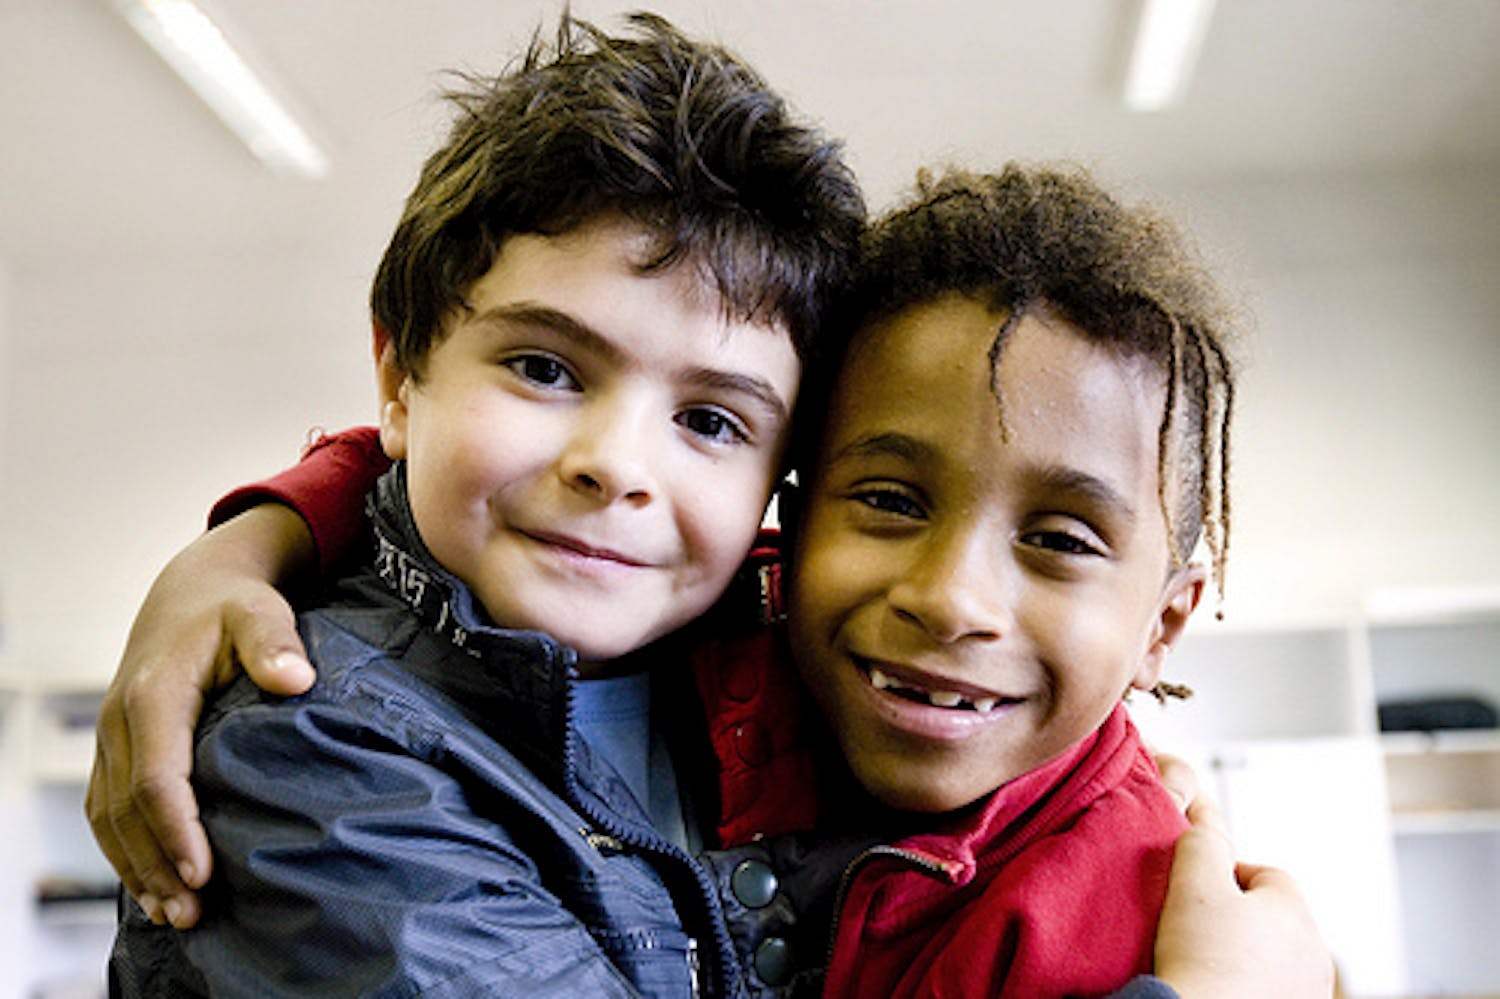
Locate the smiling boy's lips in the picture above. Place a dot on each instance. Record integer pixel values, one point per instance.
(584, 548)
(920, 686)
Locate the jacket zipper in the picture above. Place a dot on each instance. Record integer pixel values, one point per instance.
(921, 861)
(624, 837)
(724, 967)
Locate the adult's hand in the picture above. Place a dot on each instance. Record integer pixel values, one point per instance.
(212, 611)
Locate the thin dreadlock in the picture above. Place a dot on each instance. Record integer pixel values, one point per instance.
(1029, 238)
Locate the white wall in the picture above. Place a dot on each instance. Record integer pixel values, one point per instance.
(140, 389)
(1365, 448)
(7, 377)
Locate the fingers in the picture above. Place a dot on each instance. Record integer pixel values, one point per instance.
(1259, 879)
(152, 808)
(1203, 866)
(1180, 780)
(213, 605)
(118, 818)
(97, 808)
(152, 812)
(1204, 814)
(262, 630)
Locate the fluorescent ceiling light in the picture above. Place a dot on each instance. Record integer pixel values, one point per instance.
(1167, 42)
(197, 50)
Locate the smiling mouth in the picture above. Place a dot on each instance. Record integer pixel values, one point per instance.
(576, 547)
(953, 700)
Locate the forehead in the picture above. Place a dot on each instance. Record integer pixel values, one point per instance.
(716, 277)
(589, 267)
(602, 249)
(1050, 396)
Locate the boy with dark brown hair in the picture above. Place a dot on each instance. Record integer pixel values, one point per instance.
(589, 328)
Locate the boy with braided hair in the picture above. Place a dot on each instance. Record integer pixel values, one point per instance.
(1026, 439)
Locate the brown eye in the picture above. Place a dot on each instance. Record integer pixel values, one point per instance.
(713, 425)
(889, 501)
(1060, 542)
(539, 369)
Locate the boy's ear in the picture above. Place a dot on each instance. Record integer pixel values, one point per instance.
(1180, 598)
(380, 338)
(395, 387)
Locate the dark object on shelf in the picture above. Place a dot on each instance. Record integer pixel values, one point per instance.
(1430, 714)
(63, 891)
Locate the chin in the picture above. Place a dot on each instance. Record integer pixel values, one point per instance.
(915, 791)
(593, 650)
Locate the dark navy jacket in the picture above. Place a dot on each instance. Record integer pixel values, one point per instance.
(425, 821)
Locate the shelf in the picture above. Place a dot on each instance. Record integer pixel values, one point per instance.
(1457, 740)
(77, 912)
(1435, 823)
(1443, 781)
(63, 739)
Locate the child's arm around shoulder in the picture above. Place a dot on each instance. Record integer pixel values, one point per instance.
(212, 611)
(326, 488)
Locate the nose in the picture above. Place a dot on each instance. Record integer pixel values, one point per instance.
(610, 454)
(955, 588)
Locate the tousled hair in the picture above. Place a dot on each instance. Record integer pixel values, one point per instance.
(676, 136)
(1050, 238)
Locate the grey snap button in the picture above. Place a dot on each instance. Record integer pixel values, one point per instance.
(773, 961)
(754, 883)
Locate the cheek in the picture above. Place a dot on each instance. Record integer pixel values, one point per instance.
(718, 513)
(1094, 648)
(457, 469)
(837, 577)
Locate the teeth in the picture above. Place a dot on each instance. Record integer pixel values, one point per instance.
(938, 698)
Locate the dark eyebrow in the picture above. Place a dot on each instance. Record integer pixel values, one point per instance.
(1053, 479)
(757, 389)
(1056, 479)
(890, 445)
(568, 327)
(572, 329)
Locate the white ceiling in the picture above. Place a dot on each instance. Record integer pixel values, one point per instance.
(104, 153)
(175, 317)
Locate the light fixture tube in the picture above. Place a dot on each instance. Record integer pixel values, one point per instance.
(194, 46)
(1167, 42)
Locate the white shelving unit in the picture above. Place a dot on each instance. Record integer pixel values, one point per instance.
(55, 929)
(1445, 799)
(1394, 838)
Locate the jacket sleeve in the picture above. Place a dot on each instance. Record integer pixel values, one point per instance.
(327, 488)
(348, 866)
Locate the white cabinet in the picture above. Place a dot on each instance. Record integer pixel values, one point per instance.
(1394, 839)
